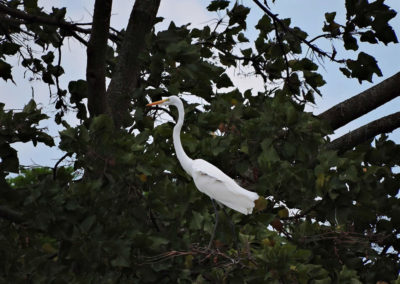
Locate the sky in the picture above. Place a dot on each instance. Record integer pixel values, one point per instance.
(307, 14)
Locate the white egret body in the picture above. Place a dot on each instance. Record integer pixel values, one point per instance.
(207, 177)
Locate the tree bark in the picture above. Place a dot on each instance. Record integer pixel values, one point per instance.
(370, 99)
(125, 78)
(96, 58)
(348, 141)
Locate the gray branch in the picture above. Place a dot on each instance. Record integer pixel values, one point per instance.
(125, 78)
(357, 106)
(383, 125)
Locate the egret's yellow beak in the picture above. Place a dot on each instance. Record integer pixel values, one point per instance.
(157, 102)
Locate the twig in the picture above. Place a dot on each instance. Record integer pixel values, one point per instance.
(282, 47)
(314, 48)
(58, 67)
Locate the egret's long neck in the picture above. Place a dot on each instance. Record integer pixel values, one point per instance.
(185, 161)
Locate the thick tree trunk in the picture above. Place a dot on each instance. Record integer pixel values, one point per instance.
(370, 99)
(383, 125)
(96, 58)
(125, 78)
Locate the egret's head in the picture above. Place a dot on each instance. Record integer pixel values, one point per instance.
(172, 100)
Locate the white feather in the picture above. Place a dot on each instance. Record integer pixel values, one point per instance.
(216, 184)
(207, 177)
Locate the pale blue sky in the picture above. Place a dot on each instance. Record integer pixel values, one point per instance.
(307, 14)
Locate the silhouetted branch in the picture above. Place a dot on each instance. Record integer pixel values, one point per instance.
(383, 125)
(39, 19)
(313, 47)
(20, 17)
(370, 99)
(58, 162)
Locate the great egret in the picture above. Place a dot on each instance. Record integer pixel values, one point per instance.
(207, 177)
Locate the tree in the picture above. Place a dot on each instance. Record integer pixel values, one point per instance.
(133, 215)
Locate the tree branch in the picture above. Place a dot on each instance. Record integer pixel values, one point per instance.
(58, 162)
(39, 19)
(310, 45)
(96, 58)
(26, 18)
(125, 78)
(348, 141)
(362, 103)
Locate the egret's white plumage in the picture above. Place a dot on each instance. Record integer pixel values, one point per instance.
(207, 177)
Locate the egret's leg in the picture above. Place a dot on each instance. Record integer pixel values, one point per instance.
(232, 228)
(215, 226)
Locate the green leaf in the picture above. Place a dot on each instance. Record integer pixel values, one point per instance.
(242, 38)
(143, 168)
(330, 17)
(158, 241)
(47, 78)
(227, 60)
(368, 36)
(303, 64)
(9, 48)
(87, 224)
(78, 90)
(216, 5)
(5, 70)
(268, 154)
(30, 5)
(364, 67)
(348, 276)
(101, 123)
(264, 24)
(9, 159)
(345, 71)
(350, 42)
(48, 58)
(224, 81)
(314, 79)
(238, 15)
(30, 107)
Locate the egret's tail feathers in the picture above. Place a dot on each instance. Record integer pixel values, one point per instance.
(243, 204)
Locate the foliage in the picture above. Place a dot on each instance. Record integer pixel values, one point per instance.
(136, 217)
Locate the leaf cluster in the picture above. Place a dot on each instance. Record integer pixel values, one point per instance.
(127, 212)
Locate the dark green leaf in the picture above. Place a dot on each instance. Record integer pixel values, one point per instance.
(216, 5)
(5, 70)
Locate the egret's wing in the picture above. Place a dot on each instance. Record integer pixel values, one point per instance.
(216, 184)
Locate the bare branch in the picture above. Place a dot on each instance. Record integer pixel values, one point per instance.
(310, 45)
(370, 99)
(96, 58)
(125, 78)
(383, 125)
